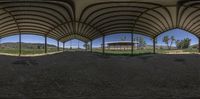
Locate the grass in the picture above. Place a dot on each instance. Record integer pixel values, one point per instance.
(189, 51)
(34, 51)
(145, 52)
(27, 51)
(107, 52)
(9, 51)
(124, 52)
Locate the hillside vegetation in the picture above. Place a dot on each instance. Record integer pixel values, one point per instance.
(27, 48)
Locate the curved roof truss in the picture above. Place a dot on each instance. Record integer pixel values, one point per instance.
(67, 19)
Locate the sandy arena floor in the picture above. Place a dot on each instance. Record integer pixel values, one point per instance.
(82, 75)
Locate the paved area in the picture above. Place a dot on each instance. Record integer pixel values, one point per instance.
(82, 75)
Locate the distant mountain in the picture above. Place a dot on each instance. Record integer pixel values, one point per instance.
(25, 45)
(173, 47)
(195, 46)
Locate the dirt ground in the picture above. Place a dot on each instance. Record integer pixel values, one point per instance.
(83, 75)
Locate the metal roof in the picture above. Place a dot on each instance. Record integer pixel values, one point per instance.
(89, 19)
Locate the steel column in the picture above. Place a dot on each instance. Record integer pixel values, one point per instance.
(91, 45)
(0, 42)
(20, 44)
(132, 44)
(199, 44)
(86, 46)
(45, 44)
(58, 46)
(78, 46)
(154, 45)
(63, 46)
(103, 45)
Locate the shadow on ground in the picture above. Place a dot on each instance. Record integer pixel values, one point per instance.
(83, 75)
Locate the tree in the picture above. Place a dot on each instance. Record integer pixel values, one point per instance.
(178, 44)
(166, 40)
(156, 41)
(172, 41)
(86, 46)
(183, 44)
(38, 47)
(187, 42)
(123, 38)
(169, 41)
(142, 42)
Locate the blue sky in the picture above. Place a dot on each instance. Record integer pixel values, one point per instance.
(177, 33)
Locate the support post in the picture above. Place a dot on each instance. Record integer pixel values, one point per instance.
(91, 45)
(0, 42)
(63, 46)
(86, 46)
(132, 44)
(58, 46)
(45, 44)
(20, 44)
(154, 45)
(103, 45)
(199, 44)
(78, 46)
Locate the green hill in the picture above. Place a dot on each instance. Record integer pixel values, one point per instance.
(11, 45)
(195, 46)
